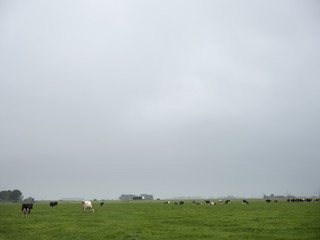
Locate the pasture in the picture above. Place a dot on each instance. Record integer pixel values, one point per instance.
(154, 220)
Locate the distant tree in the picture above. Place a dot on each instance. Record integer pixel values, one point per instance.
(9, 195)
(16, 195)
(4, 195)
(291, 196)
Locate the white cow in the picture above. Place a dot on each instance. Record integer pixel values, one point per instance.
(87, 204)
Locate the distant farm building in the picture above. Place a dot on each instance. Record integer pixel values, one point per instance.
(137, 198)
(128, 197)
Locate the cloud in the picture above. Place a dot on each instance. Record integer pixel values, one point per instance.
(174, 92)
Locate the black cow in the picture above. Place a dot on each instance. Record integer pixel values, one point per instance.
(26, 208)
(245, 202)
(101, 204)
(53, 204)
(268, 200)
(179, 203)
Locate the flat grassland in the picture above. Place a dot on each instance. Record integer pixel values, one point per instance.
(154, 220)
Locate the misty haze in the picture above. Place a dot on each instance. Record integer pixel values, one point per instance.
(167, 98)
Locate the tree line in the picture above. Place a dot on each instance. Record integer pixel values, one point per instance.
(8, 195)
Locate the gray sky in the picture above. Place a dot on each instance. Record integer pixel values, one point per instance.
(170, 98)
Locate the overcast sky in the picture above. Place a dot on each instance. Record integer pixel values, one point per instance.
(170, 98)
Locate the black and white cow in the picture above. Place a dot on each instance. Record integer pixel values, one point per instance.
(53, 204)
(26, 208)
(245, 202)
(166, 202)
(209, 202)
(179, 203)
(227, 202)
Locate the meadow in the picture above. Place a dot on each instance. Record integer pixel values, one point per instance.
(154, 220)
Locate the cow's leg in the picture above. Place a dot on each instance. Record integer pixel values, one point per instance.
(24, 212)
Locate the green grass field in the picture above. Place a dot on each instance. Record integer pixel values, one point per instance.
(153, 220)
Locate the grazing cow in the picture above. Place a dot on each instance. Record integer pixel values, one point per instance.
(101, 204)
(209, 202)
(220, 201)
(87, 205)
(53, 204)
(166, 202)
(181, 202)
(275, 200)
(227, 202)
(26, 208)
(268, 200)
(245, 202)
